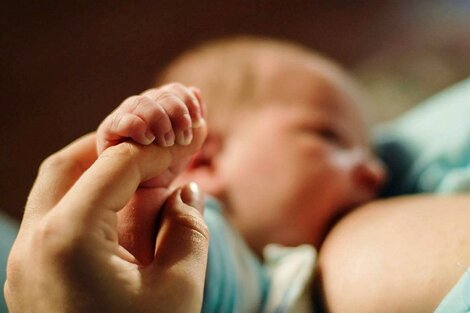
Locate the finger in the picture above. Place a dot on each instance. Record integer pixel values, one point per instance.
(154, 116)
(56, 175)
(110, 182)
(183, 238)
(189, 98)
(137, 222)
(121, 125)
(192, 196)
(177, 111)
(166, 178)
(197, 92)
(180, 152)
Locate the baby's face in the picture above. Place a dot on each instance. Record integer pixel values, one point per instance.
(295, 164)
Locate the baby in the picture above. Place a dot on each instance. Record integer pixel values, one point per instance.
(287, 150)
(286, 154)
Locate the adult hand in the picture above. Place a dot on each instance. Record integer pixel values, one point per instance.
(67, 257)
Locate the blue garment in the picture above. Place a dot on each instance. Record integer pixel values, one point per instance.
(8, 231)
(458, 299)
(427, 150)
(420, 157)
(235, 279)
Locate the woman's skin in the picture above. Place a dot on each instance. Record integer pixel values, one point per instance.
(67, 258)
(398, 255)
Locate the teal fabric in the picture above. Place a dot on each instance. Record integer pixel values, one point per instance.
(224, 286)
(8, 231)
(223, 291)
(220, 289)
(428, 149)
(458, 300)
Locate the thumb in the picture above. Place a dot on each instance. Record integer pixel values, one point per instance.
(183, 238)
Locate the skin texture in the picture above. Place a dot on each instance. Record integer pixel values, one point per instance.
(398, 255)
(165, 116)
(292, 163)
(67, 257)
(282, 187)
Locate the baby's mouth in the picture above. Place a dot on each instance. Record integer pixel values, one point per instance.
(335, 218)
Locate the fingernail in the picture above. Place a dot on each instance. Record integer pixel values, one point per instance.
(202, 106)
(191, 195)
(197, 115)
(198, 122)
(168, 139)
(196, 118)
(149, 136)
(184, 137)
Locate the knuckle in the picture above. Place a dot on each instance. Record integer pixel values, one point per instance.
(177, 110)
(149, 91)
(188, 100)
(166, 96)
(194, 223)
(157, 112)
(135, 103)
(115, 119)
(161, 122)
(14, 266)
(141, 101)
(183, 92)
(129, 102)
(54, 162)
(127, 123)
(174, 85)
(6, 290)
(10, 291)
(54, 238)
(132, 122)
(123, 150)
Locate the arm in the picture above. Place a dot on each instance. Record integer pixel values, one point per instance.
(398, 255)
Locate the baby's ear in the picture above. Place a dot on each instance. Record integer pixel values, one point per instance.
(209, 151)
(204, 166)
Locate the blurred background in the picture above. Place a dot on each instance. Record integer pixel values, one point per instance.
(65, 65)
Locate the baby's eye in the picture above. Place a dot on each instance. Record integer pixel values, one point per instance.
(331, 136)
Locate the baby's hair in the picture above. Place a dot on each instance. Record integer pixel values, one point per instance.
(226, 70)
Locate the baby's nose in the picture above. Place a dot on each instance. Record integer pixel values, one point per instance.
(369, 174)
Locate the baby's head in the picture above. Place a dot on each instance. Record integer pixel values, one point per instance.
(288, 150)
